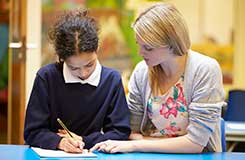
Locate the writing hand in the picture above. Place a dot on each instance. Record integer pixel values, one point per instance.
(63, 133)
(68, 144)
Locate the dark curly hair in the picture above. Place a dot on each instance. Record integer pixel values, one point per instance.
(74, 32)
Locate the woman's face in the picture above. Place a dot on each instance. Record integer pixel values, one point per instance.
(82, 65)
(153, 56)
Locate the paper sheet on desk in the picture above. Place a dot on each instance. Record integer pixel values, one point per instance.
(58, 153)
(236, 126)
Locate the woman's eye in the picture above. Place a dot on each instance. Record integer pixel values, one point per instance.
(147, 48)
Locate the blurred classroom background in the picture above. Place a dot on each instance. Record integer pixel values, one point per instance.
(217, 29)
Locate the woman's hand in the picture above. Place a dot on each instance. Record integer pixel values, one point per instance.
(68, 144)
(113, 146)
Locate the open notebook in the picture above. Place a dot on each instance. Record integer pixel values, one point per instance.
(58, 153)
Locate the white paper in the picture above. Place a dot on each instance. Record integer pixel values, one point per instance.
(58, 153)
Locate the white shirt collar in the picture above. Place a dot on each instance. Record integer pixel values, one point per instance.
(93, 79)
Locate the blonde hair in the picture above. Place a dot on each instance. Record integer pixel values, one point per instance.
(162, 25)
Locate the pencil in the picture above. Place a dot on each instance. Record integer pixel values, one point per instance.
(64, 127)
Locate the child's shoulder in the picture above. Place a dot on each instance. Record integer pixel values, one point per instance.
(48, 69)
(110, 73)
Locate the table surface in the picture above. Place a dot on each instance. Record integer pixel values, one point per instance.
(22, 152)
(233, 127)
(235, 131)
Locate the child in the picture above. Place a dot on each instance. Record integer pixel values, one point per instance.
(87, 97)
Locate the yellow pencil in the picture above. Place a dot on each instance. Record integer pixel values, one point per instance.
(64, 127)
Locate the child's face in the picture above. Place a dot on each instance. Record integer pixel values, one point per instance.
(82, 65)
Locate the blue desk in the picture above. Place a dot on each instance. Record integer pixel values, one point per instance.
(20, 152)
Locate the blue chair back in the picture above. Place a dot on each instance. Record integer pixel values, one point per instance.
(223, 140)
(236, 106)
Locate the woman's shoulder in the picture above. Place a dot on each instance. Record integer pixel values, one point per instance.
(196, 58)
(141, 66)
(141, 69)
(139, 75)
(198, 61)
(201, 67)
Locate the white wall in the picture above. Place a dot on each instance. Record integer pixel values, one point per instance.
(191, 11)
(207, 17)
(33, 55)
(218, 19)
(239, 45)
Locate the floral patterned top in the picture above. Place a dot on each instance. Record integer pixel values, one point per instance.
(168, 113)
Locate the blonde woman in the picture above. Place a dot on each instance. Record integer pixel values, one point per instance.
(175, 94)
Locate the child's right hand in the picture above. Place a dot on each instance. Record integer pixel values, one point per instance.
(63, 133)
(71, 145)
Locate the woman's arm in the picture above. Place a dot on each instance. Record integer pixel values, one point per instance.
(149, 144)
(159, 145)
(167, 145)
(135, 97)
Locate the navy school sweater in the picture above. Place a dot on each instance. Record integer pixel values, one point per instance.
(95, 113)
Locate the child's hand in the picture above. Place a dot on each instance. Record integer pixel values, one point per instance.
(67, 143)
(71, 145)
(63, 133)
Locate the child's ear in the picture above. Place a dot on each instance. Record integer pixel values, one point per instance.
(61, 60)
